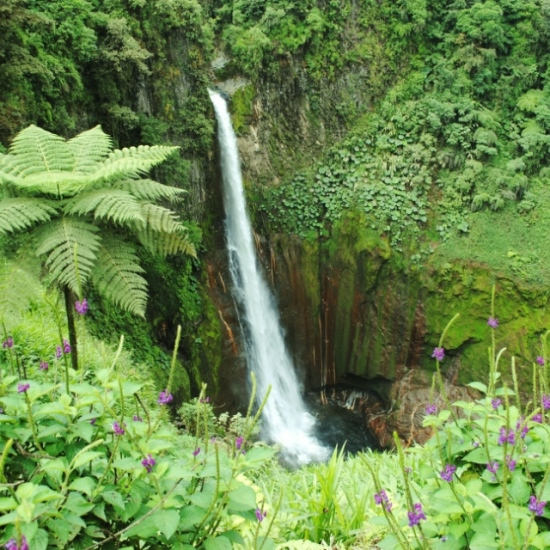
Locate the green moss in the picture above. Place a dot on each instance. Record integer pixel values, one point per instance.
(466, 289)
(205, 346)
(242, 108)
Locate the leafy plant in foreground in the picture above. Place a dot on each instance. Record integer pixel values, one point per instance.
(101, 469)
(482, 480)
(86, 204)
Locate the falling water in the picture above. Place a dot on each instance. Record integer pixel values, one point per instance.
(285, 418)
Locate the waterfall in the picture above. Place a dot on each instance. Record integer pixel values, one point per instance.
(285, 418)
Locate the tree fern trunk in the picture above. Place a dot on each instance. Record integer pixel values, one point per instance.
(69, 304)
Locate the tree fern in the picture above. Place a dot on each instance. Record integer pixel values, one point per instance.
(115, 205)
(165, 244)
(160, 219)
(39, 151)
(151, 190)
(117, 275)
(89, 149)
(19, 213)
(132, 161)
(70, 247)
(73, 190)
(19, 285)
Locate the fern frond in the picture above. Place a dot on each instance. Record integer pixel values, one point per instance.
(89, 149)
(19, 286)
(151, 190)
(113, 204)
(6, 169)
(133, 161)
(159, 218)
(165, 244)
(34, 150)
(530, 100)
(17, 214)
(70, 247)
(117, 276)
(55, 183)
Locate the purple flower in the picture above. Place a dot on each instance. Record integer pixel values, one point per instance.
(44, 365)
(8, 342)
(496, 402)
(260, 515)
(506, 436)
(239, 442)
(431, 408)
(164, 397)
(540, 360)
(118, 429)
(537, 418)
(22, 388)
(492, 322)
(492, 467)
(148, 462)
(205, 400)
(524, 428)
(12, 544)
(475, 444)
(536, 506)
(438, 354)
(447, 473)
(416, 515)
(81, 307)
(58, 352)
(546, 402)
(66, 346)
(382, 499)
(93, 421)
(196, 451)
(137, 418)
(511, 463)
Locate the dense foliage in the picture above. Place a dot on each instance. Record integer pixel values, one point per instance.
(464, 131)
(454, 147)
(96, 462)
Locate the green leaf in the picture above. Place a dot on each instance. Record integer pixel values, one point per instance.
(190, 517)
(218, 543)
(84, 458)
(25, 511)
(242, 499)
(83, 430)
(478, 386)
(39, 541)
(113, 498)
(519, 489)
(477, 456)
(56, 468)
(542, 540)
(165, 521)
(85, 485)
(7, 503)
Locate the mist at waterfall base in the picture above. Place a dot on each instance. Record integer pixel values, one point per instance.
(285, 419)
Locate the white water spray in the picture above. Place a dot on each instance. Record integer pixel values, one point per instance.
(285, 418)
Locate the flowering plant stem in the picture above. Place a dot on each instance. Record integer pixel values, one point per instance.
(174, 358)
(31, 422)
(422, 543)
(442, 390)
(273, 516)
